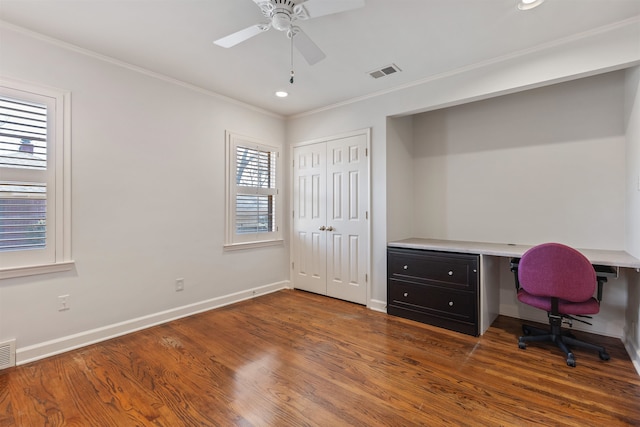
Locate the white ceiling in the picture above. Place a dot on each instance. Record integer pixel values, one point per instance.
(424, 38)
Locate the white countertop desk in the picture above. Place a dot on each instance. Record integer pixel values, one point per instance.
(489, 265)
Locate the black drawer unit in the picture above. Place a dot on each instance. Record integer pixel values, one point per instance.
(434, 287)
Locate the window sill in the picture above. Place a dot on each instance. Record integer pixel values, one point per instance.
(32, 270)
(251, 245)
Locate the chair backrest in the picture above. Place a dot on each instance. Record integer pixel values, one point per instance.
(556, 270)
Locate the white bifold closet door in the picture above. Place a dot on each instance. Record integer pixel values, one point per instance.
(330, 239)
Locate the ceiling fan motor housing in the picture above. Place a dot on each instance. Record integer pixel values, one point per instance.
(281, 13)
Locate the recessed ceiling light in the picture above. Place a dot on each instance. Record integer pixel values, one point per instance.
(282, 94)
(529, 4)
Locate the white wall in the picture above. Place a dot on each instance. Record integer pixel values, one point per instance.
(400, 175)
(526, 168)
(632, 127)
(148, 177)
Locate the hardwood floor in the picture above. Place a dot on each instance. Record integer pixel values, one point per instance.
(297, 359)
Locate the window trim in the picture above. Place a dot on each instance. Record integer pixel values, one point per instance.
(251, 240)
(62, 260)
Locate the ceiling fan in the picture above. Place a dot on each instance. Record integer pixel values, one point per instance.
(282, 14)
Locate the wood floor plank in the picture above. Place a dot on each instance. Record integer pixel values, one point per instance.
(297, 359)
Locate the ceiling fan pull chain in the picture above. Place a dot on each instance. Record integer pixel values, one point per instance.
(292, 34)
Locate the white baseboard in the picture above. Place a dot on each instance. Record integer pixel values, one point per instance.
(82, 339)
(634, 353)
(378, 305)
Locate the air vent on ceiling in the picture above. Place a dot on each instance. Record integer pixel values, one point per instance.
(384, 71)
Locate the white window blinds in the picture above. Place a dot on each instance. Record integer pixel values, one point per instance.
(256, 190)
(23, 157)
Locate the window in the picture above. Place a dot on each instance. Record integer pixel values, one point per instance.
(34, 205)
(253, 205)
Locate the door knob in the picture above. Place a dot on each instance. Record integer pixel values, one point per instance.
(330, 228)
(322, 228)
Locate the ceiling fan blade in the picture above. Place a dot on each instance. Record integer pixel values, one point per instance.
(317, 8)
(309, 50)
(242, 35)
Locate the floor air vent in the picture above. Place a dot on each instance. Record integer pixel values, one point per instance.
(7, 354)
(384, 71)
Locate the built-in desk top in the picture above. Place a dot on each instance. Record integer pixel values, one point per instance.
(596, 256)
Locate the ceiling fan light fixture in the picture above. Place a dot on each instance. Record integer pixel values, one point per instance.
(281, 20)
(529, 4)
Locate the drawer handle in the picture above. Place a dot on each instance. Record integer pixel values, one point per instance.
(450, 272)
(450, 303)
(406, 294)
(406, 267)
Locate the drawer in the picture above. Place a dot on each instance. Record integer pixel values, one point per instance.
(450, 270)
(435, 301)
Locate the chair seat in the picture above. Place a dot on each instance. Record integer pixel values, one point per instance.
(591, 306)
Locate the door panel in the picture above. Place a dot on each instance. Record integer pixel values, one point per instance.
(309, 242)
(348, 227)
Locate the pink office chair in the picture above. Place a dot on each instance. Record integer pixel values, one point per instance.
(560, 280)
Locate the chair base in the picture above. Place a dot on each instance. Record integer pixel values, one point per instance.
(563, 339)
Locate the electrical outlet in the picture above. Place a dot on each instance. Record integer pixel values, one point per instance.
(63, 303)
(179, 285)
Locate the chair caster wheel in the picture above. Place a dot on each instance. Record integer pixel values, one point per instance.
(571, 362)
(604, 355)
(522, 345)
